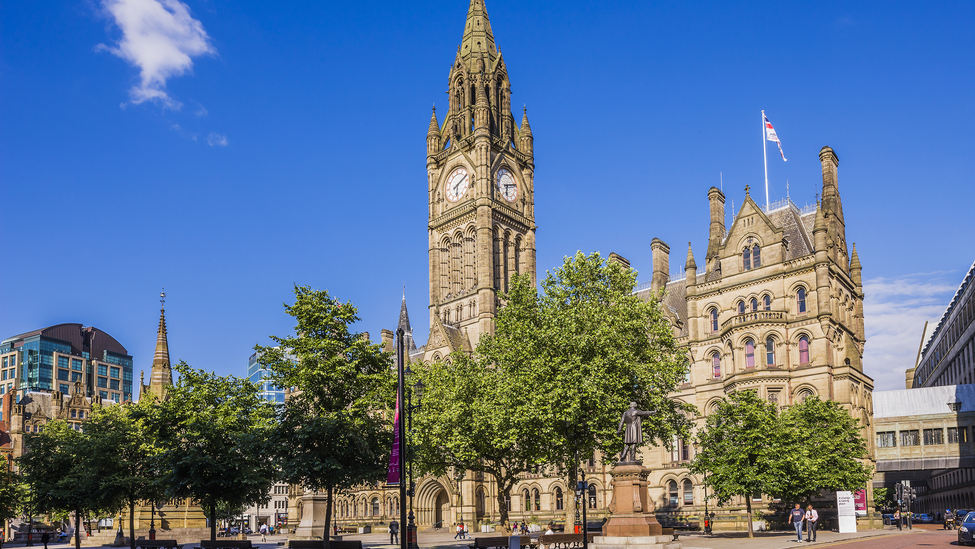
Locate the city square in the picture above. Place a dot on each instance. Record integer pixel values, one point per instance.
(579, 379)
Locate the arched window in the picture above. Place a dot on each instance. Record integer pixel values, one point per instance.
(714, 320)
(480, 501)
(801, 300)
(375, 507)
(746, 259)
(538, 499)
(754, 304)
(756, 256)
(527, 497)
(770, 352)
(767, 302)
(559, 501)
(591, 493)
(741, 307)
(716, 363)
(749, 353)
(803, 350)
(672, 491)
(689, 489)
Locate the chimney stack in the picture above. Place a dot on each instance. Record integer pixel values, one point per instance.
(661, 264)
(716, 235)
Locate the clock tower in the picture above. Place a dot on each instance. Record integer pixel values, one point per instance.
(480, 172)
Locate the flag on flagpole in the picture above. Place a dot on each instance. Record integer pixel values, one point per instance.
(393, 474)
(770, 136)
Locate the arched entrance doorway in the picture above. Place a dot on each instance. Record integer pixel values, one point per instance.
(432, 505)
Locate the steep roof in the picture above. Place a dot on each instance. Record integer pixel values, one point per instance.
(478, 40)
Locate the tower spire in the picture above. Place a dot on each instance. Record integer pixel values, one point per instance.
(478, 39)
(162, 374)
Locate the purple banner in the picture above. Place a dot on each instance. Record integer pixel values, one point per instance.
(393, 475)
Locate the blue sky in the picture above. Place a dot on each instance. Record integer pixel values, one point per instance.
(239, 147)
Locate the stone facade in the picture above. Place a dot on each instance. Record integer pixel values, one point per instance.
(778, 301)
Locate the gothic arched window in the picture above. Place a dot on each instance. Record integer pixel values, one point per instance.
(591, 493)
(672, 491)
(527, 497)
(749, 353)
(559, 501)
(767, 302)
(375, 507)
(716, 363)
(756, 257)
(741, 307)
(537, 497)
(803, 350)
(688, 492)
(714, 320)
(480, 501)
(770, 352)
(754, 304)
(746, 259)
(801, 300)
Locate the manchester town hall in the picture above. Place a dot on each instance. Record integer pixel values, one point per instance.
(774, 304)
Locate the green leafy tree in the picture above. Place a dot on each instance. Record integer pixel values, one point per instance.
(551, 383)
(825, 450)
(57, 467)
(213, 434)
(742, 451)
(125, 453)
(335, 428)
(13, 494)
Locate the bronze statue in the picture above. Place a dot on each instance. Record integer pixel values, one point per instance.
(633, 435)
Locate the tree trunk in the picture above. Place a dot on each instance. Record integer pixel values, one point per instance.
(77, 528)
(328, 512)
(504, 490)
(569, 503)
(748, 505)
(213, 521)
(131, 523)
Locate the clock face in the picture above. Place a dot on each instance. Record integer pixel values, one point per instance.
(457, 183)
(506, 185)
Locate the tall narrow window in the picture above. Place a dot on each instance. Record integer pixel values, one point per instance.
(538, 499)
(444, 270)
(672, 490)
(688, 492)
(801, 300)
(803, 350)
(770, 352)
(714, 320)
(591, 493)
(716, 364)
(375, 507)
(746, 259)
(527, 497)
(754, 304)
(749, 353)
(559, 501)
(767, 302)
(497, 260)
(756, 256)
(741, 307)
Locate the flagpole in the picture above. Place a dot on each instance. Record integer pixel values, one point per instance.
(765, 156)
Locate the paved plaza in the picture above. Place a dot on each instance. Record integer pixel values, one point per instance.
(889, 538)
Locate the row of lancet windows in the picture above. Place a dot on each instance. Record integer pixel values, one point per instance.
(374, 508)
(753, 306)
(769, 354)
(458, 261)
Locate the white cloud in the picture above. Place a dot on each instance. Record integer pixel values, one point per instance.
(895, 310)
(217, 140)
(201, 110)
(160, 37)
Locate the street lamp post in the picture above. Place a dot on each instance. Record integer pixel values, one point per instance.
(409, 540)
(152, 521)
(707, 518)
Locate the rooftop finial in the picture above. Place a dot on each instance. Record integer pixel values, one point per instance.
(162, 297)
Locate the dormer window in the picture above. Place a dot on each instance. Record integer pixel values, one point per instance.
(746, 260)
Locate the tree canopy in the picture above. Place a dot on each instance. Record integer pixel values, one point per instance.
(549, 386)
(335, 428)
(213, 434)
(13, 494)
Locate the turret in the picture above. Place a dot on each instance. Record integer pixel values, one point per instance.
(527, 141)
(855, 267)
(833, 208)
(433, 135)
(661, 264)
(690, 267)
(716, 233)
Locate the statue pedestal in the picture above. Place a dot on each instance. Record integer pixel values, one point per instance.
(312, 525)
(632, 524)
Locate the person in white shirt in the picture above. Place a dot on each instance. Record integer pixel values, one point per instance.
(811, 518)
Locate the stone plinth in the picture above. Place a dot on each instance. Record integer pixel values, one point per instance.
(631, 508)
(312, 525)
(639, 542)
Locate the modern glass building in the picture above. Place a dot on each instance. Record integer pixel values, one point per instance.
(57, 357)
(260, 376)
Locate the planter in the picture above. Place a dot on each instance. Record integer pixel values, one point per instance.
(758, 526)
(534, 528)
(487, 528)
(365, 529)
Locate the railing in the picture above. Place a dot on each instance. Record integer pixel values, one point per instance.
(753, 316)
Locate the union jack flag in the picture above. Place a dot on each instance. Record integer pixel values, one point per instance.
(770, 136)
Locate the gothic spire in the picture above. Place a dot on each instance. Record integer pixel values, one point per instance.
(690, 264)
(478, 39)
(162, 374)
(434, 125)
(525, 128)
(404, 317)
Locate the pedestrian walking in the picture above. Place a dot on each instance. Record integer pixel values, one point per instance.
(460, 530)
(796, 515)
(467, 533)
(46, 538)
(263, 530)
(394, 533)
(897, 519)
(812, 516)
